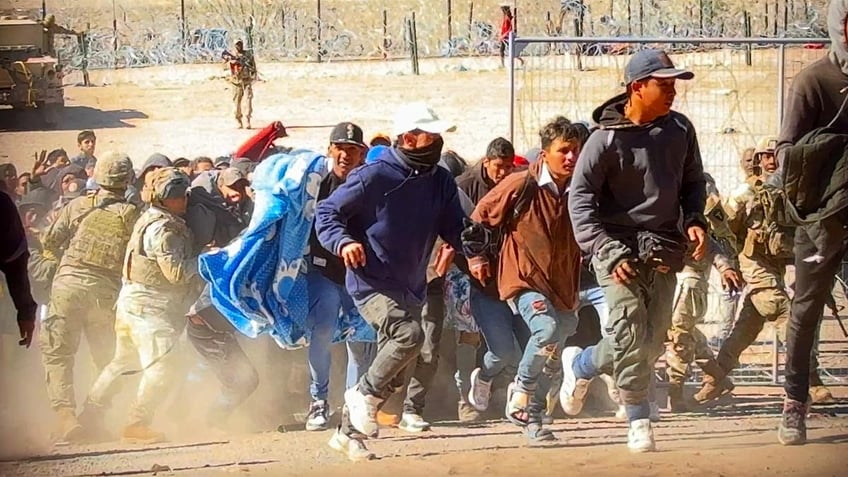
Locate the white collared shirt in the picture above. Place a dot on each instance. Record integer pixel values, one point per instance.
(545, 179)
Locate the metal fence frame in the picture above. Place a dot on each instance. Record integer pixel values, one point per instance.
(780, 43)
(517, 44)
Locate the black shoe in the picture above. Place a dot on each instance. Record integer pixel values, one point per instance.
(537, 434)
(793, 427)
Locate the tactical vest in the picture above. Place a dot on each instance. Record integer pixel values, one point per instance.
(101, 236)
(768, 231)
(141, 269)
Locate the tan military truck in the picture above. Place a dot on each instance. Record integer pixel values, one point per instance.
(30, 75)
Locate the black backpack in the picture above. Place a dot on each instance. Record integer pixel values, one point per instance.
(813, 171)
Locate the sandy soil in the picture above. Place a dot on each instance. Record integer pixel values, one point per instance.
(727, 441)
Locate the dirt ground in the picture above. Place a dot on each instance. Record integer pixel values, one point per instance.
(736, 439)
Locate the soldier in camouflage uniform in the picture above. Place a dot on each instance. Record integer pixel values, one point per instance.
(688, 343)
(160, 282)
(90, 235)
(242, 74)
(765, 251)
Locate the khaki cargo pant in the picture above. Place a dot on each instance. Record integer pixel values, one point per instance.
(688, 343)
(60, 339)
(640, 316)
(243, 90)
(145, 344)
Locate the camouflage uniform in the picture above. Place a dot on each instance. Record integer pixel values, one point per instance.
(688, 343)
(242, 78)
(765, 297)
(90, 234)
(160, 275)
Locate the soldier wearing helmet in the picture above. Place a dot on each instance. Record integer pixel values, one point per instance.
(89, 238)
(765, 249)
(160, 282)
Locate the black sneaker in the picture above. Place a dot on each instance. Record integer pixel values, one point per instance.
(793, 427)
(318, 417)
(536, 434)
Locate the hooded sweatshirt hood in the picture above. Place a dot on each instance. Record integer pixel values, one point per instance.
(155, 160)
(610, 115)
(836, 14)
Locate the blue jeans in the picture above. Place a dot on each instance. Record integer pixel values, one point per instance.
(595, 297)
(495, 319)
(326, 301)
(549, 328)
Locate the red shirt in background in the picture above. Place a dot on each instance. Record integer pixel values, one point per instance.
(506, 27)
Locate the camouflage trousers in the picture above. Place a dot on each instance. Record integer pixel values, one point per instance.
(145, 344)
(758, 307)
(70, 316)
(688, 343)
(243, 90)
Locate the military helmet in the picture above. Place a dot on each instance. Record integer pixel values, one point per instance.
(168, 183)
(766, 145)
(114, 170)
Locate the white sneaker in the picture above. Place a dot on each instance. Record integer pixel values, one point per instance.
(318, 416)
(354, 448)
(640, 437)
(480, 392)
(572, 395)
(413, 423)
(362, 411)
(655, 412)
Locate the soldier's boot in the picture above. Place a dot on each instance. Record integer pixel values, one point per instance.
(819, 393)
(138, 433)
(715, 384)
(676, 398)
(91, 420)
(70, 429)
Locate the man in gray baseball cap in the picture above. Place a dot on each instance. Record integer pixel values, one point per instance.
(644, 165)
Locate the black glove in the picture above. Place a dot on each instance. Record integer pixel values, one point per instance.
(476, 239)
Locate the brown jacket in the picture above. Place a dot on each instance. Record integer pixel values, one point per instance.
(539, 253)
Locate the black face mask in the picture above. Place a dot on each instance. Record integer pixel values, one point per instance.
(424, 158)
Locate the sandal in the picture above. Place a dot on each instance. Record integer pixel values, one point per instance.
(516, 406)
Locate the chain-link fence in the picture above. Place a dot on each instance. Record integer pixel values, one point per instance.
(123, 33)
(735, 99)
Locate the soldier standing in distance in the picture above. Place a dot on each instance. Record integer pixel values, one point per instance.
(90, 235)
(242, 74)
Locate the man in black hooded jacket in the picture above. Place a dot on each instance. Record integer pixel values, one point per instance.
(814, 101)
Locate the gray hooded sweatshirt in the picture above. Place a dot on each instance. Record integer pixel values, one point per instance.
(814, 96)
(633, 178)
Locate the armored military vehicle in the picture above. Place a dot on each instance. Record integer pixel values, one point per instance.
(30, 75)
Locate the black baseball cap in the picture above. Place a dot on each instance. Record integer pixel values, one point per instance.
(347, 133)
(653, 64)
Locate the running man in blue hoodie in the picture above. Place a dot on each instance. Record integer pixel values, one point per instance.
(383, 222)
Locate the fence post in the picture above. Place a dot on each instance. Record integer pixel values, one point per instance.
(183, 28)
(781, 85)
(385, 34)
(511, 49)
(114, 36)
(641, 17)
(450, 30)
(747, 26)
(470, 19)
(318, 29)
(414, 35)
